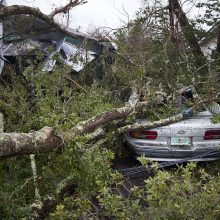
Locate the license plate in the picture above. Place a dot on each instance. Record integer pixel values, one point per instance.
(179, 141)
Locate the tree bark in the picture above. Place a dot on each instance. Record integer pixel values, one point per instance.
(12, 144)
(106, 117)
(34, 172)
(172, 24)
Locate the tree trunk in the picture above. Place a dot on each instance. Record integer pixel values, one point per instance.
(218, 42)
(172, 24)
(190, 36)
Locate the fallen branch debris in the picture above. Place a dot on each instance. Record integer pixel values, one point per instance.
(44, 140)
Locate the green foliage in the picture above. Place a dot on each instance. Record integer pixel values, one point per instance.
(49, 99)
(16, 188)
(188, 192)
(90, 171)
(14, 105)
(215, 119)
(32, 101)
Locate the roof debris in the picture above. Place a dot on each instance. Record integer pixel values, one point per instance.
(39, 37)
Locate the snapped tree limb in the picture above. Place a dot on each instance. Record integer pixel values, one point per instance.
(41, 208)
(150, 125)
(93, 123)
(44, 140)
(12, 144)
(106, 117)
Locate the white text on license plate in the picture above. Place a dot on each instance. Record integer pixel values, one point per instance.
(179, 141)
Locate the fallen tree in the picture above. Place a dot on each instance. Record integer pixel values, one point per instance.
(44, 140)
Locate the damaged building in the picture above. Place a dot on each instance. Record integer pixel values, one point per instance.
(27, 38)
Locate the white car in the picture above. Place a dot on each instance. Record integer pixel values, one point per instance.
(196, 139)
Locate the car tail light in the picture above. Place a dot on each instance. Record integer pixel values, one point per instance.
(143, 134)
(212, 134)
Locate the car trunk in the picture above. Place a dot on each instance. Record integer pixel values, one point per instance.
(193, 127)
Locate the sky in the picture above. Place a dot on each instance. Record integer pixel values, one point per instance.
(107, 14)
(94, 14)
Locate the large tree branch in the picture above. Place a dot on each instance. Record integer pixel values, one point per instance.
(44, 140)
(150, 125)
(67, 7)
(106, 117)
(40, 209)
(7, 11)
(12, 144)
